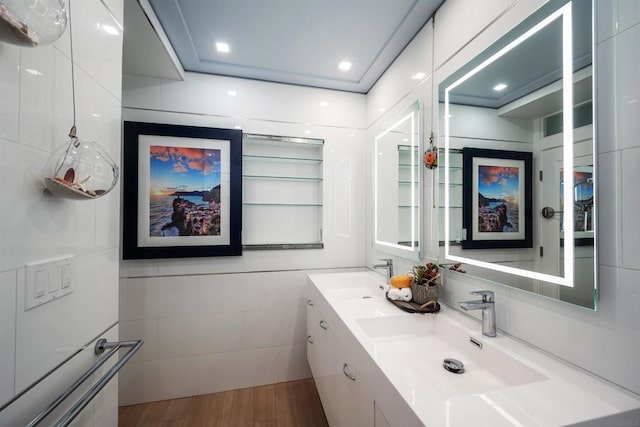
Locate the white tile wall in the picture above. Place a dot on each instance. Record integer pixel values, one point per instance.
(158, 380)
(469, 18)
(171, 302)
(630, 176)
(10, 89)
(101, 411)
(7, 333)
(241, 319)
(600, 341)
(35, 118)
(246, 329)
(628, 14)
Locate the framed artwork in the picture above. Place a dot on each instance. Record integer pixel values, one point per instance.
(497, 200)
(182, 191)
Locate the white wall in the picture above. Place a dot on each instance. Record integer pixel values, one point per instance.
(213, 324)
(35, 118)
(389, 97)
(168, 302)
(602, 342)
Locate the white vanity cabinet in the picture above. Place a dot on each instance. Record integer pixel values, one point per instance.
(396, 360)
(343, 393)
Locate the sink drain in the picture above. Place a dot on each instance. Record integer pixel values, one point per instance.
(453, 365)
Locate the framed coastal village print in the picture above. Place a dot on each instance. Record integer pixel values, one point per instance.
(182, 194)
(497, 200)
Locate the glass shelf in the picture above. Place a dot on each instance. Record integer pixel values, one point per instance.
(407, 183)
(283, 178)
(260, 158)
(283, 187)
(302, 205)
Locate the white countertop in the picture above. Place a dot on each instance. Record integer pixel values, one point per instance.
(507, 382)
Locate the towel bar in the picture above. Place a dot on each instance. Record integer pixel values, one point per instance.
(101, 345)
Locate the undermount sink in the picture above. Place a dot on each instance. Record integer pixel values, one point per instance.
(349, 293)
(415, 346)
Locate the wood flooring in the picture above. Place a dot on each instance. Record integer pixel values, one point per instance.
(294, 403)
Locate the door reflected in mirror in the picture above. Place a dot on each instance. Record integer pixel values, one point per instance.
(397, 183)
(529, 94)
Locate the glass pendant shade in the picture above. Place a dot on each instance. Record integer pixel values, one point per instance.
(32, 22)
(80, 170)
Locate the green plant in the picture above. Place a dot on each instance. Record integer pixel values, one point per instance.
(426, 274)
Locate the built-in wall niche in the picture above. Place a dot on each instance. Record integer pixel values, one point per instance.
(529, 95)
(282, 192)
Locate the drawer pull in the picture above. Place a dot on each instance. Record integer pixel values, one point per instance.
(324, 325)
(309, 339)
(346, 373)
(310, 303)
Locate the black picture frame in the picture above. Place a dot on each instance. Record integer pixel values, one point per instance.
(194, 229)
(509, 223)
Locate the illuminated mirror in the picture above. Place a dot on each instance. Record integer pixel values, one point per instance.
(514, 120)
(397, 183)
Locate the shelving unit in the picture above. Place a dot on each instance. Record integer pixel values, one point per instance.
(282, 192)
(405, 187)
(455, 192)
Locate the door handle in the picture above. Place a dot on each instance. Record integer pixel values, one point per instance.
(349, 375)
(549, 212)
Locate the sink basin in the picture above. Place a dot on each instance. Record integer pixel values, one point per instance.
(349, 293)
(415, 346)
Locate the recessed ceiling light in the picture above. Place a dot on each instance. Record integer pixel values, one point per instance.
(418, 76)
(344, 65)
(33, 72)
(222, 47)
(307, 132)
(238, 127)
(324, 103)
(231, 93)
(499, 87)
(382, 109)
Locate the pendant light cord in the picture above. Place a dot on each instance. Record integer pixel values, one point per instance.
(73, 130)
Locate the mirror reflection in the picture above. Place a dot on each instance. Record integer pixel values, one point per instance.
(515, 118)
(397, 183)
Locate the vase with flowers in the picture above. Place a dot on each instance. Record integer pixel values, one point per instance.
(425, 283)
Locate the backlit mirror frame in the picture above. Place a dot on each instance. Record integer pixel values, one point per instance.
(412, 114)
(564, 13)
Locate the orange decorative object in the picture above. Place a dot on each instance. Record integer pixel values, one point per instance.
(401, 281)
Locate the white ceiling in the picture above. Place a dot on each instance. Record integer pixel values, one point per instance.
(290, 41)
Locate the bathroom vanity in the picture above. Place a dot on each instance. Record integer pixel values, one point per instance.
(375, 365)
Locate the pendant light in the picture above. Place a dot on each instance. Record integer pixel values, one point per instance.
(32, 23)
(79, 169)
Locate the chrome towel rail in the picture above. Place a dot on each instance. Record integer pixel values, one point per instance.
(101, 345)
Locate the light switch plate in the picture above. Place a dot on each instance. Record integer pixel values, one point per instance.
(47, 281)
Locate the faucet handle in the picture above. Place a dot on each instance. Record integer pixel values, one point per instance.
(388, 261)
(487, 296)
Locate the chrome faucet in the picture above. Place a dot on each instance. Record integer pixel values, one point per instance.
(388, 265)
(486, 304)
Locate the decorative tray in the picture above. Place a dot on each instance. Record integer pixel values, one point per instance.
(414, 307)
